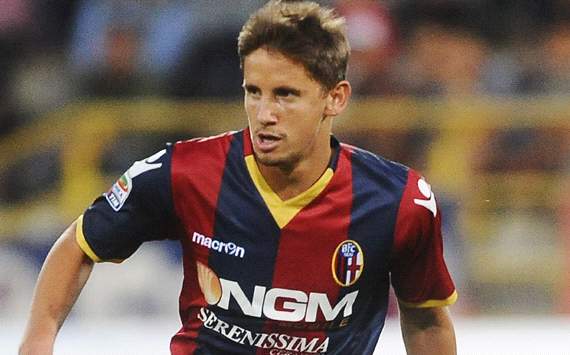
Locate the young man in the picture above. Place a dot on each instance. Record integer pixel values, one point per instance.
(290, 238)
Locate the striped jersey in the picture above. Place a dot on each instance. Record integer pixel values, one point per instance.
(308, 275)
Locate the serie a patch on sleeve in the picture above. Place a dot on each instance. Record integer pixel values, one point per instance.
(121, 189)
(119, 192)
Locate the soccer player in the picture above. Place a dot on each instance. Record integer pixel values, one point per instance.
(290, 239)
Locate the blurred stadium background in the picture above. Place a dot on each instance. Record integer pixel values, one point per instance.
(474, 94)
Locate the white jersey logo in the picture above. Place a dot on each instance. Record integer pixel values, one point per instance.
(229, 248)
(425, 190)
(279, 304)
(142, 166)
(118, 193)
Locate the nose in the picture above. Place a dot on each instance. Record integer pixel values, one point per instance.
(267, 112)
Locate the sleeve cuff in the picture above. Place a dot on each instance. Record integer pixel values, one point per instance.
(82, 242)
(432, 303)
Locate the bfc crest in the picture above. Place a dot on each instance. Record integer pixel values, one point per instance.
(347, 263)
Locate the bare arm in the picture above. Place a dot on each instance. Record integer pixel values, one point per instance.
(61, 279)
(427, 331)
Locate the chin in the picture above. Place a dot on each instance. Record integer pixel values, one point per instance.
(275, 161)
(268, 160)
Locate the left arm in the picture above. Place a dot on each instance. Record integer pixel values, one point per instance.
(427, 331)
(419, 275)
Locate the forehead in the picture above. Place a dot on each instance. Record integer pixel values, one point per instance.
(271, 67)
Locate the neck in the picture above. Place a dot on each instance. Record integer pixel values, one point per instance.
(288, 182)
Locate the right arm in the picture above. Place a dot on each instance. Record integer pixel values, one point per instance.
(107, 231)
(63, 275)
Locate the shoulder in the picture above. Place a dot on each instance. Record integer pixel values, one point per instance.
(418, 198)
(409, 187)
(201, 158)
(145, 179)
(374, 167)
(202, 153)
(419, 219)
(206, 145)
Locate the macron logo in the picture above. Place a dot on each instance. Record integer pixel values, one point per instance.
(425, 190)
(221, 247)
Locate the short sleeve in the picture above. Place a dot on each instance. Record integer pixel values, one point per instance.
(137, 208)
(418, 272)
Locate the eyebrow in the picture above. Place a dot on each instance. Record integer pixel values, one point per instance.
(287, 89)
(249, 87)
(276, 91)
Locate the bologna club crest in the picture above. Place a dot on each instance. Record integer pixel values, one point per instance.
(347, 263)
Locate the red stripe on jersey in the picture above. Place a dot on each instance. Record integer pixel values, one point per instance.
(197, 170)
(307, 245)
(418, 270)
(247, 145)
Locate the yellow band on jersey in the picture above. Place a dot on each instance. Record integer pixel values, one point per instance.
(80, 238)
(284, 211)
(432, 303)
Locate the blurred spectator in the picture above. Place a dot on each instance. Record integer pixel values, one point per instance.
(16, 18)
(117, 77)
(508, 22)
(8, 114)
(119, 47)
(32, 79)
(523, 149)
(15, 30)
(555, 53)
(210, 64)
(211, 69)
(40, 84)
(373, 37)
(446, 50)
(54, 19)
(544, 53)
(129, 47)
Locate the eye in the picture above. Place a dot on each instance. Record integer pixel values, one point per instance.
(251, 90)
(286, 92)
(283, 92)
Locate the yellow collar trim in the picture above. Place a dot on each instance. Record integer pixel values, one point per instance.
(284, 211)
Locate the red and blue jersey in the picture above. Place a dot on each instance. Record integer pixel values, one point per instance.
(265, 276)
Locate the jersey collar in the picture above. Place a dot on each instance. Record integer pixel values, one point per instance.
(283, 211)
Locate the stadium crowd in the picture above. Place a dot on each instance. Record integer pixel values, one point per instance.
(56, 52)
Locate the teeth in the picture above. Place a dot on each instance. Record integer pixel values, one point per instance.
(268, 138)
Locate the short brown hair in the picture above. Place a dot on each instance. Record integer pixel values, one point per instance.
(303, 31)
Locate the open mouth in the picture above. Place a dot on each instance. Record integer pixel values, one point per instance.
(267, 142)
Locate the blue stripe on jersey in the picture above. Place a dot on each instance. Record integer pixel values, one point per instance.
(377, 186)
(241, 218)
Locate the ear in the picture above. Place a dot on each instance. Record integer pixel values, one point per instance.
(337, 98)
